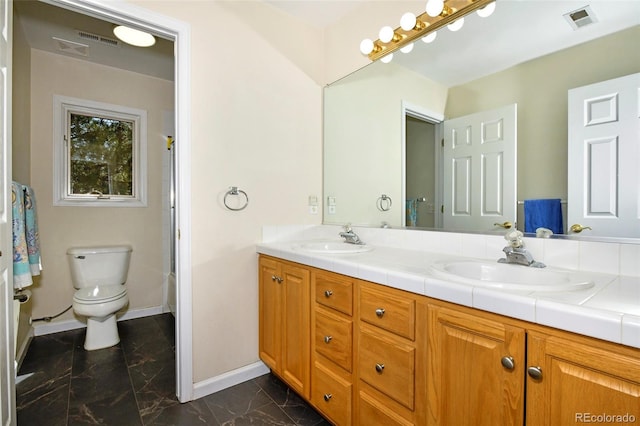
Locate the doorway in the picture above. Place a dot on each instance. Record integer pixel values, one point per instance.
(177, 32)
(422, 167)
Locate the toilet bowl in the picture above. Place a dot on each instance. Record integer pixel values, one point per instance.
(99, 274)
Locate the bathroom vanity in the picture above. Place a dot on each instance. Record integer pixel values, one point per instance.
(368, 345)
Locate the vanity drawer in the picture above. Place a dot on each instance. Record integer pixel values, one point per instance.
(372, 412)
(331, 395)
(334, 291)
(388, 366)
(333, 338)
(389, 311)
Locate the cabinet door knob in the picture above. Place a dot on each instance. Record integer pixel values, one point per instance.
(327, 396)
(327, 339)
(535, 373)
(328, 293)
(379, 368)
(279, 279)
(379, 312)
(507, 362)
(273, 277)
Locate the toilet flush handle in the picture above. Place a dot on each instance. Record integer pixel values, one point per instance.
(79, 257)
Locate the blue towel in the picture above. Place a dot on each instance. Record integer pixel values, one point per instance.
(26, 243)
(545, 213)
(412, 212)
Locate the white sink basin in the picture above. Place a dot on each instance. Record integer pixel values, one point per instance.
(510, 277)
(332, 247)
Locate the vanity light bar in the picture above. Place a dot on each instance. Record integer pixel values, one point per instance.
(453, 10)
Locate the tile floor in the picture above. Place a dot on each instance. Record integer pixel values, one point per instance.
(133, 383)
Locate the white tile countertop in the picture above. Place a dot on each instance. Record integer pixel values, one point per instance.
(610, 310)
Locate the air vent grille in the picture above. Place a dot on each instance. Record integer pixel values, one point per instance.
(71, 47)
(100, 39)
(580, 17)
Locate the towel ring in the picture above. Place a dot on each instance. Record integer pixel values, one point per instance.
(384, 203)
(235, 191)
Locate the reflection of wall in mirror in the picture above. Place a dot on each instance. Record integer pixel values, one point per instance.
(363, 137)
(540, 88)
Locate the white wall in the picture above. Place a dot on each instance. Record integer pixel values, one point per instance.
(64, 227)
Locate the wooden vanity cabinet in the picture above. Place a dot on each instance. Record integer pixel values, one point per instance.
(284, 328)
(391, 356)
(367, 354)
(476, 369)
(574, 379)
(332, 346)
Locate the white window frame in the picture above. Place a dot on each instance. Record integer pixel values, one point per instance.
(62, 106)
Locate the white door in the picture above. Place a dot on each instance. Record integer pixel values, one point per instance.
(480, 170)
(604, 152)
(7, 351)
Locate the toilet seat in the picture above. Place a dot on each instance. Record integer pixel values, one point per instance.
(99, 294)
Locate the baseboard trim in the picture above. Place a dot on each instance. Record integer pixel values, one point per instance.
(73, 324)
(228, 379)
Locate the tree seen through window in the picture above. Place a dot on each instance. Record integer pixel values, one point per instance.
(101, 153)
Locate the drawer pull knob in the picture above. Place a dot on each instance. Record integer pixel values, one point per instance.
(507, 362)
(328, 293)
(379, 368)
(379, 312)
(327, 396)
(535, 373)
(327, 339)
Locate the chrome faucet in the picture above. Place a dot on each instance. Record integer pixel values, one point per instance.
(350, 236)
(515, 253)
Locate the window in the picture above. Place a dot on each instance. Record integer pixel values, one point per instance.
(100, 155)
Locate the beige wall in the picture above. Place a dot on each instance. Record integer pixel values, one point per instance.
(64, 227)
(363, 143)
(256, 124)
(21, 148)
(539, 87)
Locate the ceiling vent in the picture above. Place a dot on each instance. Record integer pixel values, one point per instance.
(580, 17)
(71, 47)
(98, 38)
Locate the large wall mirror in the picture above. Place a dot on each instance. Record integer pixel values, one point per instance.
(372, 117)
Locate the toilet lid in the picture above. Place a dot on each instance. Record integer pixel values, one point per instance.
(100, 294)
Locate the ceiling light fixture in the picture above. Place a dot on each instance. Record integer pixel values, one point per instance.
(134, 37)
(438, 14)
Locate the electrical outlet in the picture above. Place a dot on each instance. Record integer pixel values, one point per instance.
(332, 209)
(313, 209)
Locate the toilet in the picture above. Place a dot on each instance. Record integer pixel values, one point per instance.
(99, 274)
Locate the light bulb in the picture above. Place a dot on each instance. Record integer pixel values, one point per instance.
(406, 49)
(387, 59)
(487, 10)
(366, 46)
(430, 37)
(434, 7)
(134, 37)
(386, 34)
(408, 21)
(456, 25)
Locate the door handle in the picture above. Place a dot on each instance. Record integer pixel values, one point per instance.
(577, 228)
(505, 225)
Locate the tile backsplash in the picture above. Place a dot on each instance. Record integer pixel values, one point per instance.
(618, 258)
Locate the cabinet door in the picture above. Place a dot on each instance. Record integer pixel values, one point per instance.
(296, 324)
(576, 382)
(270, 313)
(476, 370)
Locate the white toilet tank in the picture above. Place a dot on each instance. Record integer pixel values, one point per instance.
(101, 265)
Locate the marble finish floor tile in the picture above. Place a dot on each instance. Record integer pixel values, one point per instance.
(133, 383)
